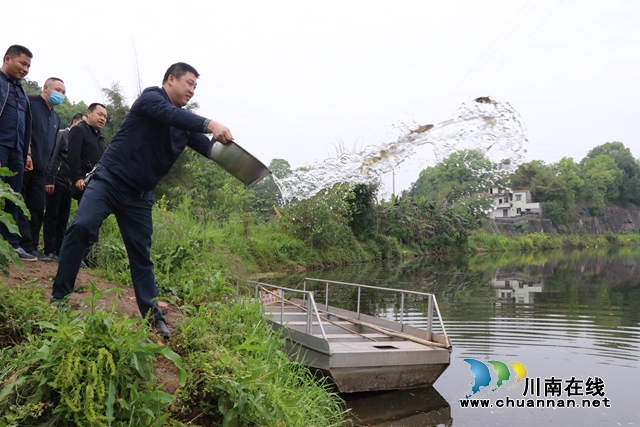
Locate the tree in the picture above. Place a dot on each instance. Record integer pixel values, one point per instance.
(463, 174)
(569, 172)
(602, 179)
(627, 187)
(117, 109)
(67, 110)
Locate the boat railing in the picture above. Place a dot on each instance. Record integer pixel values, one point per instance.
(278, 296)
(431, 306)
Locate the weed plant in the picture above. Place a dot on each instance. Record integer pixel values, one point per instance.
(237, 369)
(90, 369)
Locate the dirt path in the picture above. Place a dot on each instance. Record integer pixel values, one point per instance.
(43, 273)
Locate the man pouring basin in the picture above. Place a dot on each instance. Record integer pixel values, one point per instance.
(152, 136)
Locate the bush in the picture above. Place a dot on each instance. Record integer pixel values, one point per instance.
(89, 370)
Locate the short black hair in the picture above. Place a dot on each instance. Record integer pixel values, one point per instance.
(77, 117)
(93, 106)
(178, 70)
(17, 50)
(50, 80)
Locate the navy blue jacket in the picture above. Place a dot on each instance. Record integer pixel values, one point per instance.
(46, 123)
(4, 94)
(151, 138)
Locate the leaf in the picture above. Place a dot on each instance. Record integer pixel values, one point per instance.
(142, 366)
(110, 401)
(177, 360)
(226, 359)
(161, 419)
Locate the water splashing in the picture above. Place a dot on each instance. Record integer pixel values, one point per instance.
(491, 127)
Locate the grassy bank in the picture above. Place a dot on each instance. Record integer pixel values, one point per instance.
(481, 240)
(96, 367)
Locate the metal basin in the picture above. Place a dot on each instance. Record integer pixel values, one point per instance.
(238, 162)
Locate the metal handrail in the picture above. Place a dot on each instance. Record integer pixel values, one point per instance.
(311, 305)
(433, 303)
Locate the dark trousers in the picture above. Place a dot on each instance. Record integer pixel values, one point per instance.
(12, 158)
(107, 194)
(35, 197)
(56, 218)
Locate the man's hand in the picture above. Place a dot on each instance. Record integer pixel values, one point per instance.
(28, 165)
(220, 132)
(49, 188)
(80, 184)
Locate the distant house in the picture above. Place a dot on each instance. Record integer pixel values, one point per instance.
(511, 204)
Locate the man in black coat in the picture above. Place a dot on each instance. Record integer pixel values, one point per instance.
(45, 125)
(86, 146)
(58, 188)
(152, 136)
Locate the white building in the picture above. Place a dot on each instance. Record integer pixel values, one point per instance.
(510, 204)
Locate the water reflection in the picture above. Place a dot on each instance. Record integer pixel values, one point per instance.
(560, 313)
(419, 407)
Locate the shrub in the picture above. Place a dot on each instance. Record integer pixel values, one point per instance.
(90, 370)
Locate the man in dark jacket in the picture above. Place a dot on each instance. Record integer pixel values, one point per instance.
(46, 123)
(58, 189)
(147, 144)
(86, 146)
(15, 132)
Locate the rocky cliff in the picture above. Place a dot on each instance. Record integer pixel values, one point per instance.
(613, 218)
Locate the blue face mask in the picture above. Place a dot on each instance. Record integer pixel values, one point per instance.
(55, 98)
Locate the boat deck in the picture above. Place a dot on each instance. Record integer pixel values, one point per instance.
(357, 351)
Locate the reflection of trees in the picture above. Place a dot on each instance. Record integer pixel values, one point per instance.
(604, 284)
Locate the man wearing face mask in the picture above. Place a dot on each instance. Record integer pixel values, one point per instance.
(45, 125)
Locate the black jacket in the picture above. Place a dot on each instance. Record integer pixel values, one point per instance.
(43, 133)
(86, 147)
(151, 138)
(58, 168)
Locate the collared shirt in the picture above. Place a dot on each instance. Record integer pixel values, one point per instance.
(13, 117)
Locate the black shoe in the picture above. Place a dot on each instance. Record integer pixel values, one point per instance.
(39, 256)
(160, 328)
(24, 255)
(83, 264)
(53, 256)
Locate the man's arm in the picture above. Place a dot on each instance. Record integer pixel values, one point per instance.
(54, 163)
(153, 104)
(76, 141)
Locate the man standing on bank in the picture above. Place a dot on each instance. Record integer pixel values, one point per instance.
(86, 146)
(15, 132)
(46, 123)
(56, 214)
(152, 136)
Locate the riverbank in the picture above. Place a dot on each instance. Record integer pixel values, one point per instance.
(98, 364)
(481, 241)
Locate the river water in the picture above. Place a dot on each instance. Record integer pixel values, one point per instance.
(571, 318)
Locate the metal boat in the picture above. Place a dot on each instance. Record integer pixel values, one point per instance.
(359, 352)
